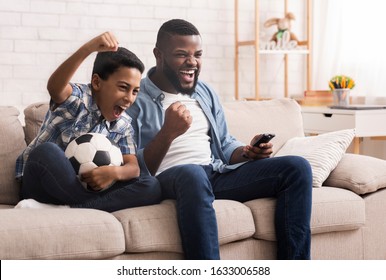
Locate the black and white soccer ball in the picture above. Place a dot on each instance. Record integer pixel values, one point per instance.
(91, 150)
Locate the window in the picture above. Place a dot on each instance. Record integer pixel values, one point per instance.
(348, 39)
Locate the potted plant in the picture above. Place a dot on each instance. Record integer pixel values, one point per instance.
(341, 86)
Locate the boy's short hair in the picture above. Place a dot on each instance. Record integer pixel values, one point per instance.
(106, 63)
(176, 27)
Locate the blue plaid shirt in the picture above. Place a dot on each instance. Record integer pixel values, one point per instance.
(78, 115)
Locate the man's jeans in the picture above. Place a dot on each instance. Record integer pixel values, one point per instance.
(287, 178)
(50, 178)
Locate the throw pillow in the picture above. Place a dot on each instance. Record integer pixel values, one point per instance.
(358, 173)
(323, 151)
(34, 116)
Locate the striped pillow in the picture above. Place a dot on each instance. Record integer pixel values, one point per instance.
(323, 151)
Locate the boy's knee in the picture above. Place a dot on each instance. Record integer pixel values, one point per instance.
(46, 147)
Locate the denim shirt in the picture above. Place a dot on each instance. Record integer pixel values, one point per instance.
(148, 116)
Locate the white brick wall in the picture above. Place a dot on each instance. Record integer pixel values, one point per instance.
(37, 35)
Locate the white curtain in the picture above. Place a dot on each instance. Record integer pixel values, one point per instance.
(349, 38)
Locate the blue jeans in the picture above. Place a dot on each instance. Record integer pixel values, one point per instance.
(288, 179)
(50, 178)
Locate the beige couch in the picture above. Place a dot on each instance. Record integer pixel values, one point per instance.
(348, 215)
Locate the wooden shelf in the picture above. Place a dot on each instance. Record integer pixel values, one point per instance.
(300, 51)
(306, 50)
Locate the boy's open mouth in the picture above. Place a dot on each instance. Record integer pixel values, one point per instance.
(118, 110)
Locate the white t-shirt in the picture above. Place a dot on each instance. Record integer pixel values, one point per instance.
(192, 147)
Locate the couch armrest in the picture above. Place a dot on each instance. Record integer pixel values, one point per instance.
(358, 173)
(11, 146)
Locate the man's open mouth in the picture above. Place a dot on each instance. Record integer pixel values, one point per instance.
(188, 75)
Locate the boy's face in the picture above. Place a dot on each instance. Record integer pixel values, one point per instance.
(117, 93)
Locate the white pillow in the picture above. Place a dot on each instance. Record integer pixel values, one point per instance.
(323, 151)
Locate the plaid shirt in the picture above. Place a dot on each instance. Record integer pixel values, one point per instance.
(78, 115)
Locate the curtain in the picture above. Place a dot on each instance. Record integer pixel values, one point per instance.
(348, 39)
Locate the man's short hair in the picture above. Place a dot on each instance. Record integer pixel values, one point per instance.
(176, 27)
(106, 63)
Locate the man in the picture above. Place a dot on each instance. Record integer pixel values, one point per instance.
(183, 139)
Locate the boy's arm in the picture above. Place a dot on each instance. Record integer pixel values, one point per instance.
(103, 176)
(58, 84)
(129, 170)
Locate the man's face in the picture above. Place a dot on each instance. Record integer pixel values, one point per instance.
(181, 62)
(118, 92)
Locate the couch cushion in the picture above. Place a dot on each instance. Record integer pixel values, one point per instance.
(150, 228)
(358, 173)
(59, 234)
(245, 119)
(332, 210)
(155, 228)
(34, 115)
(11, 146)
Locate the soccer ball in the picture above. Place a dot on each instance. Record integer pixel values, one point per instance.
(91, 150)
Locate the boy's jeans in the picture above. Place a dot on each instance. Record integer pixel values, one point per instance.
(287, 178)
(50, 178)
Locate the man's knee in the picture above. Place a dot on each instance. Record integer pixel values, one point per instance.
(304, 171)
(191, 171)
(151, 185)
(299, 169)
(188, 180)
(300, 164)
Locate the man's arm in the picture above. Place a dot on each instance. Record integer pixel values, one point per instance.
(58, 84)
(238, 155)
(177, 122)
(156, 150)
(250, 152)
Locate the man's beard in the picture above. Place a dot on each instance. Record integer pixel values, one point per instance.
(173, 79)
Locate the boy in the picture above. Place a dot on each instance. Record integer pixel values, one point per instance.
(47, 175)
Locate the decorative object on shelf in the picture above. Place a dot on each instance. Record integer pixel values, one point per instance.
(282, 43)
(283, 38)
(341, 86)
